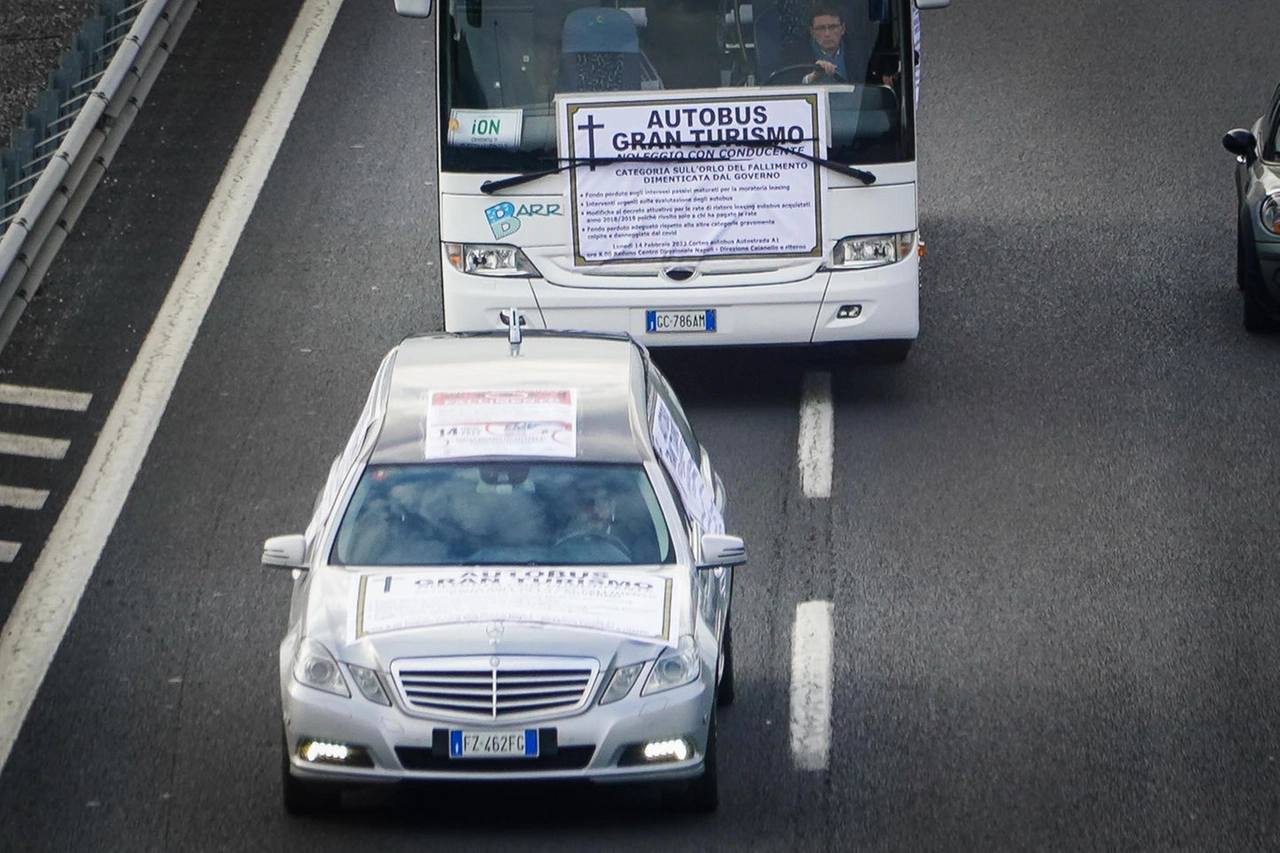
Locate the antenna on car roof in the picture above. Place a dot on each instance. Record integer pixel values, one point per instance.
(513, 331)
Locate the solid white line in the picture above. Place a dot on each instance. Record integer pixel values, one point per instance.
(44, 398)
(48, 600)
(9, 550)
(811, 660)
(817, 435)
(20, 498)
(33, 445)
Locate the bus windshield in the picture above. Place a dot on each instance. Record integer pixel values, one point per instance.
(504, 61)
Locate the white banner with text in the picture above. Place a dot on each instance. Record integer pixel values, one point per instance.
(693, 177)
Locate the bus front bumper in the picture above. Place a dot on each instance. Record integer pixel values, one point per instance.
(847, 305)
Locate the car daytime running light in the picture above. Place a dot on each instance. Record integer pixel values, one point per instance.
(331, 752)
(490, 259)
(319, 751)
(676, 749)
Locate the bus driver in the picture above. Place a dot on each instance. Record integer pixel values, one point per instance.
(830, 48)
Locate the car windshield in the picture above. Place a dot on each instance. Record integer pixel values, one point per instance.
(503, 63)
(502, 513)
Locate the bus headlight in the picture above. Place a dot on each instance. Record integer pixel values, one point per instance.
(874, 251)
(489, 259)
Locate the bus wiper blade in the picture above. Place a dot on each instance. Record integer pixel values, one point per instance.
(491, 187)
(863, 175)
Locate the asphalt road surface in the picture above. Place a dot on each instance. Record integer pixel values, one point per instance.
(1049, 546)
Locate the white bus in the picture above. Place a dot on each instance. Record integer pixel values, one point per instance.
(680, 169)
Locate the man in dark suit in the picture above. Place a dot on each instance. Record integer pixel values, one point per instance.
(840, 56)
(827, 47)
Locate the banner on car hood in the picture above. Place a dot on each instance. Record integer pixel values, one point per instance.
(623, 602)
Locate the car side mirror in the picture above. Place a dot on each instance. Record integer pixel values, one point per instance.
(721, 550)
(285, 552)
(1243, 144)
(413, 8)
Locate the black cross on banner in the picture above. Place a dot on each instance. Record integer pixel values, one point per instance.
(591, 127)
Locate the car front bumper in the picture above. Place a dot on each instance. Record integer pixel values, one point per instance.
(588, 745)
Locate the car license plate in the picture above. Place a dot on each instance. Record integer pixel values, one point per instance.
(700, 320)
(517, 744)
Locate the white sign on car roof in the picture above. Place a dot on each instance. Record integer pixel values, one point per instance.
(519, 422)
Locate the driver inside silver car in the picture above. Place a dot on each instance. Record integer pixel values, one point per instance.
(539, 513)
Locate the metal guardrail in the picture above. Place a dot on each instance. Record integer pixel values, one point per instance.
(88, 108)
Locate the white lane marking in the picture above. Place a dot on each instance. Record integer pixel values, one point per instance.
(49, 599)
(33, 445)
(9, 550)
(20, 498)
(44, 398)
(817, 435)
(811, 661)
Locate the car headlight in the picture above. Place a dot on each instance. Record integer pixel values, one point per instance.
(674, 667)
(490, 259)
(873, 251)
(1270, 214)
(624, 678)
(369, 683)
(315, 667)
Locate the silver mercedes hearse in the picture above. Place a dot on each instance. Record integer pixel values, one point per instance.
(516, 570)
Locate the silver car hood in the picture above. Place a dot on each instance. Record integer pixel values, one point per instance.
(614, 615)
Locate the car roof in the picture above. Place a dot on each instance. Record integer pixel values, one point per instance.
(606, 373)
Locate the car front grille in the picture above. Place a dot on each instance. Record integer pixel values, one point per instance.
(494, 688)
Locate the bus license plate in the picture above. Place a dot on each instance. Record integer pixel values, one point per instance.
(509, 744)
(700, 320)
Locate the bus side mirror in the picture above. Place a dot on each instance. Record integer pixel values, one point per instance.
(413, 8)
(1243, 144)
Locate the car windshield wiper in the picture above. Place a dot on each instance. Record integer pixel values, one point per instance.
(491, 187)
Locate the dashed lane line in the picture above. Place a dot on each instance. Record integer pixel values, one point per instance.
(33, 445)
(43, 611)
(17, 497)
(44, 398)
(39, 447)
(817, 435)
(811, 665)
